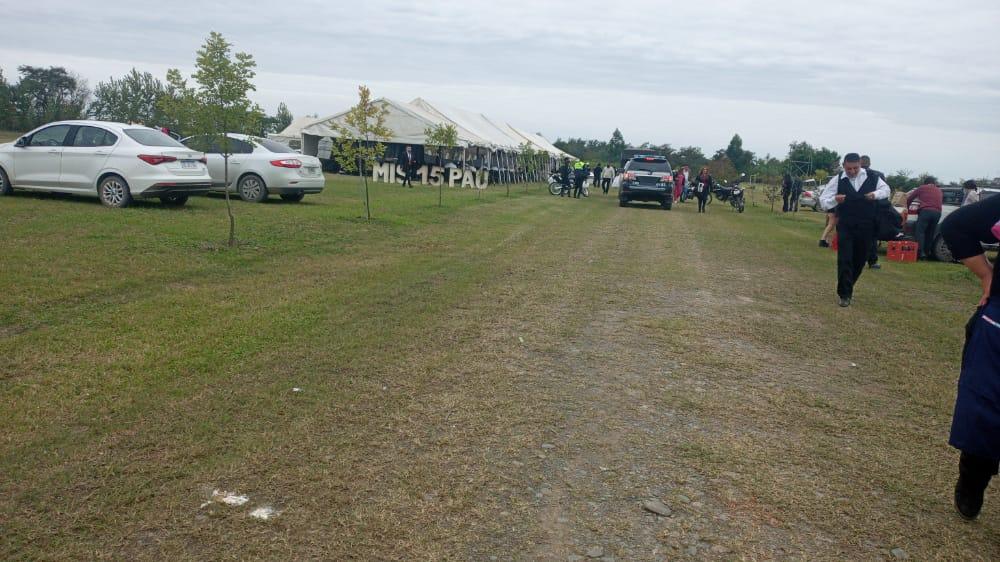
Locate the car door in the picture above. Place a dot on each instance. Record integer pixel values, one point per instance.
(239, 154)
(37, 164)
(84, 156)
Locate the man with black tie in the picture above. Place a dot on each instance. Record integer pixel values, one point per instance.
(409, 163)
(853, 193)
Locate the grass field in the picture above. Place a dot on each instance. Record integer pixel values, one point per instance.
(8, 136)
(504, 376)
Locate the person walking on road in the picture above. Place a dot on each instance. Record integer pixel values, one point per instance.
(975, 425)
(409, 163)
(929, 199)
(607, 175)
(703, 184)
(853, 194)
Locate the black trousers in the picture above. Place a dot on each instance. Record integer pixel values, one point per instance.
(854, 240)
(786, 197)
(407, 177)
(927, 221)
(703, 202)
(976, 472)
(606, 184)
(873, 251)
(578, 188)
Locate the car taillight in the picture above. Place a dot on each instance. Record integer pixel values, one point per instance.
(668, 178)
(203, 160)
(154, 159)
(629, 176)
(287, 163)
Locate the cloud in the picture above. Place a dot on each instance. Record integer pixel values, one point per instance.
(897, 68)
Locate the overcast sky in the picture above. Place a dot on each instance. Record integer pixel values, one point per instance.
(915, 83)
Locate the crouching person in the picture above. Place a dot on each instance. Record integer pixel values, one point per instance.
(975, 428)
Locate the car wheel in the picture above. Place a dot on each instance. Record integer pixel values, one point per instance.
(666, 205)
(5, 187)
(293, 197)
(941, 251)
(623, 203)
(114, 192)
(251, 188)
(174, 200)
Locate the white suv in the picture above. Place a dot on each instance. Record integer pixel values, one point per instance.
(259, 167)
(114, 161)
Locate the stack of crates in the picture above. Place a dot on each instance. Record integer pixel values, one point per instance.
(902, 250)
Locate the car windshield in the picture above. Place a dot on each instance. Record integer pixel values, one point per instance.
(952, 196)
(274, 146)
(149, 137)
(652, 165)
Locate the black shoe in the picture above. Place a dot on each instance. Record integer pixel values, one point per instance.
(968, 502)
(845, 302)
(874, 266)
(824, 244)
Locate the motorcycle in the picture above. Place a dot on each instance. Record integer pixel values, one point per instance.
(732, 194)
(556, 184)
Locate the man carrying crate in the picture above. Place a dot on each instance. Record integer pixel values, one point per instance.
(853, 193)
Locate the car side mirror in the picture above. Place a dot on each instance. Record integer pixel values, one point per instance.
(21, 142)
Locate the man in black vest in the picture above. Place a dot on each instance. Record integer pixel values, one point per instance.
(866, 163)
(410, 165)
(853, 193)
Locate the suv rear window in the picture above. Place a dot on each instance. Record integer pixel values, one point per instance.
(652, 165)
(149, 137)
(952, 196)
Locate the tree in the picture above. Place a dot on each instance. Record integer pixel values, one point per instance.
(822, 158)
(44, 95)
(7, 116)
(279, 121)
(615, 146)
(360, 140)
(443, 136)
(741, 159)
(691, 156)
(133, 98)
(218, 104)
(722, 168)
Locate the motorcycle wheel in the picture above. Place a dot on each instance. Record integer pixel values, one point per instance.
(554, 188)
(741, 207)
(708, 200)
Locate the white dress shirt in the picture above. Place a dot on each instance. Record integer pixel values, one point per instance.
(608, 173)
(828, 198)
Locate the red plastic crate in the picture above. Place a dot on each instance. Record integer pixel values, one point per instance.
(902, 250)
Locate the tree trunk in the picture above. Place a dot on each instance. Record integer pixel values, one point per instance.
(364, 178)
(441, 183)
(229, 206)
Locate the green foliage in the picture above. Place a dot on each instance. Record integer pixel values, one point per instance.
(133, 98)
(742, 159)
(820, 158)
(441, 137)
(42, 95)
(361, 141)
(722, 169)
(277, 122)
(218, 103)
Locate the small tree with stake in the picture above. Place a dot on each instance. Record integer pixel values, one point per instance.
(360, 138)
(442, 136)
(218, 104)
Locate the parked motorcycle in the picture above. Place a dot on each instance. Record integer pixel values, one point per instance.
(733, 194)
(556, 184)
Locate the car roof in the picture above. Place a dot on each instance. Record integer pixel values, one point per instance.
(94, 122)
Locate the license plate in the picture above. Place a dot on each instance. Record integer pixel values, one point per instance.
(189, 164)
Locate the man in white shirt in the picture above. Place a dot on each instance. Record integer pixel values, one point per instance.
(853, 194)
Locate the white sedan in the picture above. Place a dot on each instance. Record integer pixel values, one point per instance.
(259, 167)
(114, 161)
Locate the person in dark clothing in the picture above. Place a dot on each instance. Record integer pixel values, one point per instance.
(975, 426)
(853, 193)
(703, 185)
(866, 163)
(786, 193)
(796, 194)
(579, 176)
(928, 214)
(566, 176)
(598, 170)
(409, 163)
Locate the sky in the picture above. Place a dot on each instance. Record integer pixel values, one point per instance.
(913, 83)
